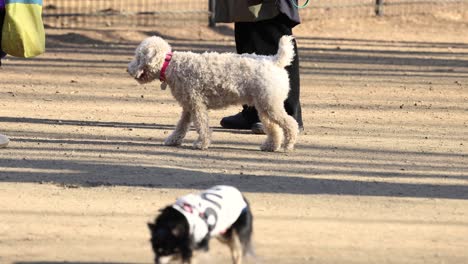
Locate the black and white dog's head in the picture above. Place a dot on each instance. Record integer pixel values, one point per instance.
(188, 224)
(170, 236)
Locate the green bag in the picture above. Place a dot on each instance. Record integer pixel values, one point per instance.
(23, 32)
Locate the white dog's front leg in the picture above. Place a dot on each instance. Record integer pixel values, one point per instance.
(200, 121)
(177, 136)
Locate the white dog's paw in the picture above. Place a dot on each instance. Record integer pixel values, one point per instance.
(269, 146)
(200, 145)
(171, 141)
(289, 147)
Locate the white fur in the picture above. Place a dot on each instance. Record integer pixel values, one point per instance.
(211, 80)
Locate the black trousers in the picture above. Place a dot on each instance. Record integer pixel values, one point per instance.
(262, 38)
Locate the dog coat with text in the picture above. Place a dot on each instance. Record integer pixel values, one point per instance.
(212, 211)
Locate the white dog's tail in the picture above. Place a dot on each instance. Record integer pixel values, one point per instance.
(285, 54)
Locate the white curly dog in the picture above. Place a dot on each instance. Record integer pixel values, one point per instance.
(211, 80)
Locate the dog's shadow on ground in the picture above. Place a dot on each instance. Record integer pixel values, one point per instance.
(87, 123)
(96, 173)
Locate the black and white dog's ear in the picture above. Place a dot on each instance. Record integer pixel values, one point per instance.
(139, 72)
(151, 226)
(164, 208)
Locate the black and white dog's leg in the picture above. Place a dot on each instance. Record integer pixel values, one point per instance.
(239, 236)
(236, 248)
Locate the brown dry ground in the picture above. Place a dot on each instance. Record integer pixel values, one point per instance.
(379, 176)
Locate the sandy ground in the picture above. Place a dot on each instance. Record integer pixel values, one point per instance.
(379, 176)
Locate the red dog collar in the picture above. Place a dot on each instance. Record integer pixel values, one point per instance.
(162, 75)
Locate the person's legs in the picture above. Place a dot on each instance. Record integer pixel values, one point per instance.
(262, 38)
(292, 104)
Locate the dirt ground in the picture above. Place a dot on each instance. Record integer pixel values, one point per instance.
(379, 176)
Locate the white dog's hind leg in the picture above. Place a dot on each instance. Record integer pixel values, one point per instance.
(200, 121)
(273, 132)
(177, 136)
(288, 124)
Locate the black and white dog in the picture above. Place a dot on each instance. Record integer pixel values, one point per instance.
(187, 225)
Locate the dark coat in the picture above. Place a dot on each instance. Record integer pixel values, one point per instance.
(287, 8)
(228, 11)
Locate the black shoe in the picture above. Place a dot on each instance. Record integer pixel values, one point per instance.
(257, 128)
(237, 121)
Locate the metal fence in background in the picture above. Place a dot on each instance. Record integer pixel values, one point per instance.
(322, 9)
(115, 13)
(120, 13)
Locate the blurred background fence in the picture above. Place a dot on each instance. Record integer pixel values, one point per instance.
(118, 13)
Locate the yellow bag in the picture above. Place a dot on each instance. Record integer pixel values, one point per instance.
(23, 32)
